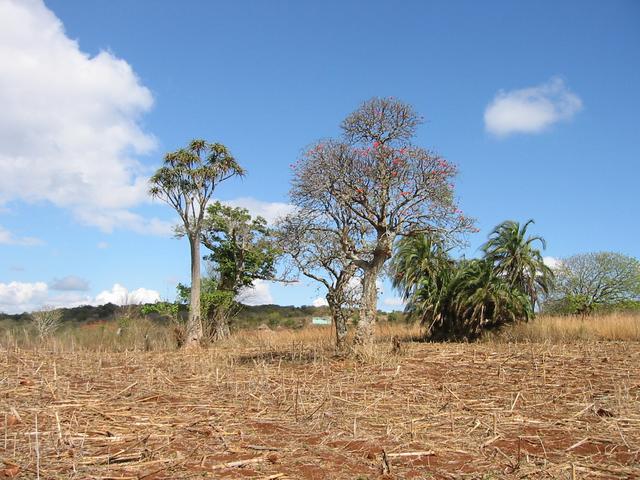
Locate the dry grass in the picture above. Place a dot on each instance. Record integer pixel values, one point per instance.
(269, 405)
(559, 329)
(144, 335)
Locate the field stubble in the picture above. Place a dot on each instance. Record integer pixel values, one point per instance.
(279, 405)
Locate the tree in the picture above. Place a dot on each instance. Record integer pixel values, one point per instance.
(481, 299)
(242, 251)
(186, 181)
(315, 250)
(454, 299)
(421, 270)
(392, 187)
(591, 281)
(515, 258)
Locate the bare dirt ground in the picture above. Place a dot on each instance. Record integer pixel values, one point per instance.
(434, 411)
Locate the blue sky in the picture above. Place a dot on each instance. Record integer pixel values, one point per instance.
(536, 102)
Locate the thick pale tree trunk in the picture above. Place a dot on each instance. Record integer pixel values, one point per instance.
(220, 326)
(369, 303)
(339, 320)
(194, 323)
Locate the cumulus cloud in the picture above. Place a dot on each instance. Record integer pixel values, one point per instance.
(270, 211)
(258, 294)
(68, 299)
(8, 238)
(70, 127)
(393, 302)
(531, 110)
(320, 302)
(70, 283)
(120, 295)
(552, 262)
(17, 297)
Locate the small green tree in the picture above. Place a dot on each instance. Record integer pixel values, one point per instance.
(593, 281)
(173, 311)
(242, 251)
(186, 182)
(216, 306)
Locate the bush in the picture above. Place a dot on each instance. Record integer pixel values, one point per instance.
(46, 321)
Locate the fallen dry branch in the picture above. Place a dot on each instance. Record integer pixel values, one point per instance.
(411, 454)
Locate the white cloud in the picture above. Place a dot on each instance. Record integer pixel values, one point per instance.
(531, 110)
(393, 302)
(8, 238)
(552, 262)
(270, 211)
(102, 245)
(70, 283)
(17, 297)
(69, 123)
(320, 302)
(68, 299)
(258, 294)
(120, 295)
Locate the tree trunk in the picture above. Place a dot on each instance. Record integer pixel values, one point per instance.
(194, 323)
(339, 320)
(369, 303)
(220, 326)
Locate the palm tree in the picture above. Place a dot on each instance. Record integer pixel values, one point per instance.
(421, 269)
(460, 299)
(515, 258)
(482, 300)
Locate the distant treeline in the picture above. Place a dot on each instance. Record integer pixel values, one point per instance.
(271, 315)
(247, 316)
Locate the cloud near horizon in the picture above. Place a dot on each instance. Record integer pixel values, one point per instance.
(393, 302)
(270, 211)
(70, 129)
(320, 302)
(531, 110)
(258, 294)
(552, 262)
(19, 297)
(120, 295)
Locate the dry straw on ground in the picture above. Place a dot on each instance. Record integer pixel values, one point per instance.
(274, 405)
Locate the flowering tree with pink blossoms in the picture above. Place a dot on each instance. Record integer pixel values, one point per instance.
(391, 187)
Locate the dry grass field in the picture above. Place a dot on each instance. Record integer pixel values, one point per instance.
(268, 405)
